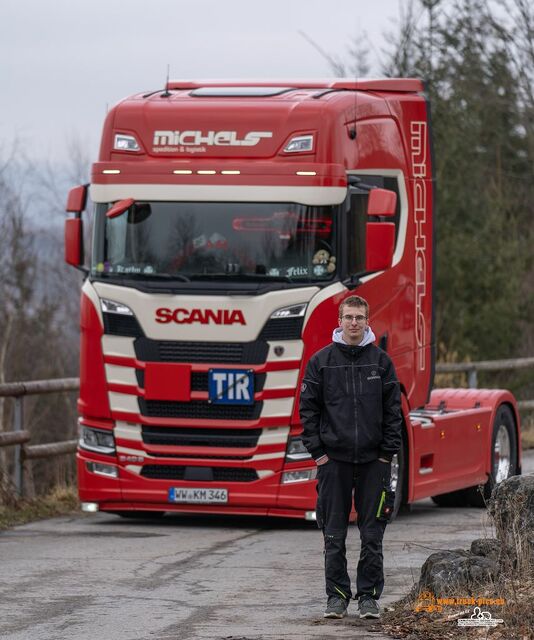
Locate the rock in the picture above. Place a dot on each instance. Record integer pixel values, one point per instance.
(487, 547)
(458, 571)
(512, 508)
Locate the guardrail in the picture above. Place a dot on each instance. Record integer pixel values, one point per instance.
(472, 369)
(19, 437)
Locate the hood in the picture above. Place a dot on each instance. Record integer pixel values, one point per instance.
(368, 336)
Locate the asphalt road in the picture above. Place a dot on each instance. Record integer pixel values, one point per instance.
(98, 576)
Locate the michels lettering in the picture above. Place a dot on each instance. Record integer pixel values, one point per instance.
(209, 138)
(203, 316)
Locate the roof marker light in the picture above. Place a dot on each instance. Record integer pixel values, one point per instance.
(182, 172)
(299, 144)
(206, 172)
(230, 172)
(111, 171)
(123, 142)
(306, 173)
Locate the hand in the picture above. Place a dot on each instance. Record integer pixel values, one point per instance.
(322, 460)
(384, 460)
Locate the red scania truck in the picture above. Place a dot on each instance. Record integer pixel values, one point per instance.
(230, 221)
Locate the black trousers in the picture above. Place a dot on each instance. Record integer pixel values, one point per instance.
(335, 483)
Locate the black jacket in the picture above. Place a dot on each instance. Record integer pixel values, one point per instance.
(350, 404)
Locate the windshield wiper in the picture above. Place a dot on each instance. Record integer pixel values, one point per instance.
(144, 276)
(250, 277)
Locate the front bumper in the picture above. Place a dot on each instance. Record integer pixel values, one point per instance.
(130, 492)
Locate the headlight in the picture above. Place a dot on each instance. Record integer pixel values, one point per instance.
(294, 311)
(97, 440)
(110, 306)
(296, 450)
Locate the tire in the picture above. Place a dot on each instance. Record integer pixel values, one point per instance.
(140, 515)
(503, 456)
(452, 499)
(399, 477)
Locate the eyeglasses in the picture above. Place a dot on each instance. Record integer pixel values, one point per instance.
(359, 319)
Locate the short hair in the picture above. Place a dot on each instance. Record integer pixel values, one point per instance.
(354, 301)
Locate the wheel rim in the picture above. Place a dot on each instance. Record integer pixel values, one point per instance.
(394, 472)
(501, 454)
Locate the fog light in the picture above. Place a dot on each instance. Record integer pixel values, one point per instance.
(298, 476)
(124, 142)
(310, 515)
(108, 470)
(296, 450)
(300, 144)
(89, 507)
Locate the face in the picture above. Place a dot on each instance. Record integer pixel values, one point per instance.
(353, 329)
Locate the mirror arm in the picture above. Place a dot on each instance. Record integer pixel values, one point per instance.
(353, 281)
(83, 269)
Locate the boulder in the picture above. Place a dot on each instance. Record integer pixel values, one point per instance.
(512, 508)
(457, 571)
(487, 547)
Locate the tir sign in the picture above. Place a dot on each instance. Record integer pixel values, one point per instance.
(231, 386)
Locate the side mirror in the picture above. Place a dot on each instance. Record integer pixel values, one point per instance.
(74, 241)
(379, 245)
(76, 202)
(380, 236)
(381, 202)
(77, 199)
(119, 208)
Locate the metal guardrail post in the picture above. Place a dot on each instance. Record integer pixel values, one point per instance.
(472, 381)
(18, 418)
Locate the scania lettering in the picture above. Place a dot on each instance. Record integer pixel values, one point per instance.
(222, 248)
(203, 316)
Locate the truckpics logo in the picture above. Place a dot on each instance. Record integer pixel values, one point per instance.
(168, 139)
(418, 144)
(202, 316)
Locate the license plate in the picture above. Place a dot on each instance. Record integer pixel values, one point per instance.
(231, 386)
(198, 495)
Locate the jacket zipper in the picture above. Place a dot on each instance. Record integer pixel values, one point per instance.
(355, 414)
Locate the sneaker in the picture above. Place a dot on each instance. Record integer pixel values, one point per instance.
(336, 607)
(369, 607)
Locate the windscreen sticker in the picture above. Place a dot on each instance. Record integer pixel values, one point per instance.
(297, 271)
(215, 241)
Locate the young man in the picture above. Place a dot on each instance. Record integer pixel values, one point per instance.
(350, 411)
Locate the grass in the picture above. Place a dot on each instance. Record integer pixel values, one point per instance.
(60, 501)
(403, 621)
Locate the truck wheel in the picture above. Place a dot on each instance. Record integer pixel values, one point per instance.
(503, 456)
(399, 477)
(140, 515)
(452, 499)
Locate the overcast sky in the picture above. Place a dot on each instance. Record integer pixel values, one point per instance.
(63, 62)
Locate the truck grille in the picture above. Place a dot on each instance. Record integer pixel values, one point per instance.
(227, 352)
(199, 380)
(191, 437)
(198, 474)
(117, 324)
(199, 410)
(282, 329)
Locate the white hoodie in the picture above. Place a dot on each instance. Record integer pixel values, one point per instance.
(368, 336)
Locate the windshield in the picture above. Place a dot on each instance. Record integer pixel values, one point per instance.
(199, 240)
